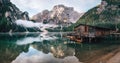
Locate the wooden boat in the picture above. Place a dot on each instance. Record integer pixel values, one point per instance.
(78, 40)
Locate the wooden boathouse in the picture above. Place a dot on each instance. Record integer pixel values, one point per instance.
(85, 32)
(92, 31)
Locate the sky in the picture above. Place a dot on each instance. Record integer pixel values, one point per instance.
(36, 6)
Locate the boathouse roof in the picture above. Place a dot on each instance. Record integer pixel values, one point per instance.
(96, 27)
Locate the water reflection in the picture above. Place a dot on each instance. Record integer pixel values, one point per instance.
(52, 48)
(36, 48)
(35, 56)
(39, 38)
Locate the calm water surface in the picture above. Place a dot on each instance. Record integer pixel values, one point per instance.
(50, 48)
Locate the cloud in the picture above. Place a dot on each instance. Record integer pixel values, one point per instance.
(36, 6)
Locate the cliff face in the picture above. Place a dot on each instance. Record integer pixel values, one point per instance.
(59, 14)
(106, 14)
(8, 14)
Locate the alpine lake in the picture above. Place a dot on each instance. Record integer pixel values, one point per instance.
(54, 47)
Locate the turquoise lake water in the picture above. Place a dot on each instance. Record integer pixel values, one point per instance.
(50, 48)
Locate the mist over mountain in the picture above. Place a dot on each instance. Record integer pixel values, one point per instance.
(11, 18)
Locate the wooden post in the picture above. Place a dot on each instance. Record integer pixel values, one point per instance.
(90, 39)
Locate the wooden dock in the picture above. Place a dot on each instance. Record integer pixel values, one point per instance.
(115, 35)
(91, 37)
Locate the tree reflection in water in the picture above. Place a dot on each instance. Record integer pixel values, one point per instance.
(41, 48)
(51, 48)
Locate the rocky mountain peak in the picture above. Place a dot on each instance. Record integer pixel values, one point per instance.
(59, 14)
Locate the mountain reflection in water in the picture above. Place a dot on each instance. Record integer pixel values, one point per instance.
(51, 48)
